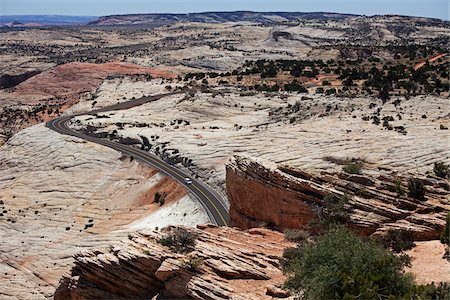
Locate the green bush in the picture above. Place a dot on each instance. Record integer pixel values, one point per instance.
(341, 265)
(398, 188)
(334, 212)
(398, 240)
(445, 235)
(352, 169)
(179, 240)
(433, 291)
(296, 235)
(330, 91)
(416, 189)
(441, 169)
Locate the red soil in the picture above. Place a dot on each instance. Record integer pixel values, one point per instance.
(420, 65)
(74, 78)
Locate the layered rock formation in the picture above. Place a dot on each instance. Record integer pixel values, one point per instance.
(230, 264)
(59, 195)
(219, 124)
(282, 197)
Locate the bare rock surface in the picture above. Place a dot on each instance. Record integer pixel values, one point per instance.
(210, 127)
(60, 195)
(283, 197)
(233, 265)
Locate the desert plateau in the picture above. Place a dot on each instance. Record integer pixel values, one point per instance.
(224, 155)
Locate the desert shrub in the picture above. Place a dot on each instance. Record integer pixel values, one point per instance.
(296, 235)
(157, 196)
(441, 169)
(433, 291)
(330, 91)
(341, 265)
(352, 169)
(193, 263)
(398, 188)
(445, 235)
(398, 240)
(416, 189)
(179, 240)
(162, 199)
(334, 211)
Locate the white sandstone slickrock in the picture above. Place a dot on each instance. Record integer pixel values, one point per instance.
(60, 195)
(214, 131)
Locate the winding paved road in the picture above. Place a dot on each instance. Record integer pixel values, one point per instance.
(211, 201)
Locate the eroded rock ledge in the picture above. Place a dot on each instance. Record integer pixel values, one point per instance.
(235, 265)
(282, 197)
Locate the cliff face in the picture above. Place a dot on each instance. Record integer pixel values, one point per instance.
(282, 197)
(232, 264)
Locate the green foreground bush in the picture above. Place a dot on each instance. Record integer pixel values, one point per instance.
(341, 265)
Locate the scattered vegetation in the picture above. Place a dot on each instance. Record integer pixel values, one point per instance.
(193, 263)
(441, 169)
(398, 188)
(352, 168)
(433, 291)
(157, 195)
(160, 198)
(334, 211)
(330, 213)
(445, 235)
(179, 240)
(416, 189)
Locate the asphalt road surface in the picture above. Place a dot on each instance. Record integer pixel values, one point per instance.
(211, 201)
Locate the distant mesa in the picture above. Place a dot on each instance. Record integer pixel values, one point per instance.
(43, 20)
(214, 17)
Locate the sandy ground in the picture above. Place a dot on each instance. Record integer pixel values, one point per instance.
(427, 262)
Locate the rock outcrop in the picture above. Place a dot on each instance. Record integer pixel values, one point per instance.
(230, 264)
(60, 194)
(282, 197)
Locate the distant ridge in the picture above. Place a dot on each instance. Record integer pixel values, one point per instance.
(49, 20)
(215, 17)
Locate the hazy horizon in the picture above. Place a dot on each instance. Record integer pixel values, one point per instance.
(430, 8)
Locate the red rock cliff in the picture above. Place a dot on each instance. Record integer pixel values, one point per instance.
(262, 193)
